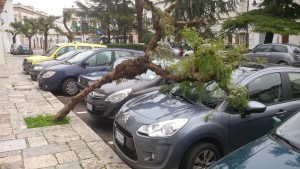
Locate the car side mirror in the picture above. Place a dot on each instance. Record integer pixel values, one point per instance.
(84, 64)
(255, 107)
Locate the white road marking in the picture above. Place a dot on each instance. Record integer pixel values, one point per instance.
(82, 112)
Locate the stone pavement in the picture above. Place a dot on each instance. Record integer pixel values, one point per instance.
(71, 146)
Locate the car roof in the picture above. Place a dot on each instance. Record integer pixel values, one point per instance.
(283, 44)
(121, 49)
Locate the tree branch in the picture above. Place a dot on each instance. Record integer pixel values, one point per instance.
(172, 6)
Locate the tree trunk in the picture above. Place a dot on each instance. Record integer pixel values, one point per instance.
(124, 36)
(139, 10)
(46, 41)
(14, 39)
(70, 33)
(29, 38)
(269, 37)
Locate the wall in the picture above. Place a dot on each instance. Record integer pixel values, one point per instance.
(5, 38)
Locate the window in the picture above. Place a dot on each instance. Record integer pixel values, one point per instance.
(91, 61)
(264, 48)
(266, 89)
(84, 47)
(62, 51)
(104, 58)
(295, 85)
(295, 49)
(119, 54)
(278, 48)
(71, 48)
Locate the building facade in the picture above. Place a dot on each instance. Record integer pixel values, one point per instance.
(21, 12)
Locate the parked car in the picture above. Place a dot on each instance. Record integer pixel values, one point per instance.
(64, 76)
(284, 54)
(56, 51)
(279, 149)
(23, 49)
(36, 69)
(13, 48)
(176, 130)
(104, 103)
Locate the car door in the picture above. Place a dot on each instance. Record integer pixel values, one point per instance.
(270, 90)
(98, 62)
(262, 52)
(279, 54)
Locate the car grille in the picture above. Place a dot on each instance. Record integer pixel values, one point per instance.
(129, 152)
(83, 81)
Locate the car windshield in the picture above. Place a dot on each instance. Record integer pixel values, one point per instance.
(289, 131)
(209, 94)
(50, 51)
(66, 55)
(79, 57)
(296, 49)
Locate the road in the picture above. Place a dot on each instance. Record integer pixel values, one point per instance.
(103, 129)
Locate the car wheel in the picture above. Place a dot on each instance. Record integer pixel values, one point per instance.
(283, 63)
(200, 156)
(69, 87)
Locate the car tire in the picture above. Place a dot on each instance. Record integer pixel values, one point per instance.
(201, 155)
(283, 63)
(69, 87)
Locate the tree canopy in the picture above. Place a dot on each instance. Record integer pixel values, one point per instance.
(273, 16)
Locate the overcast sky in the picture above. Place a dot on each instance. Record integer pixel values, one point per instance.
(51, 7)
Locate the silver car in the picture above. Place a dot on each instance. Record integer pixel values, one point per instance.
(285, 54)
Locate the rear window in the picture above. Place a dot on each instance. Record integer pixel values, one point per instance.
(295, 49)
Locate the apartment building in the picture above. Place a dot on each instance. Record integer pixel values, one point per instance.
(21, 12)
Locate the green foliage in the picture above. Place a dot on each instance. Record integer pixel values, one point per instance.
(238, 97)
(147, 37)
(44, 120)
(274, 16)
(211, 63)
(128, 46)
(166, 22)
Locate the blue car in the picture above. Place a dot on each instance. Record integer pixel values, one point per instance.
(279, 149)
(63, 77)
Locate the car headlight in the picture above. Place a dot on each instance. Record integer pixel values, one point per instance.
(163, 129)
(118, 96)
(48, 74)
(38, 67)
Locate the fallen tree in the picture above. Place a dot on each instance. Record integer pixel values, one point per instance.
(207, 65)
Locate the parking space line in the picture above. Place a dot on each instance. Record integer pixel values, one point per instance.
(81, 112)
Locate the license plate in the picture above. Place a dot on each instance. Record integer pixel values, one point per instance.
(119, 137)
(89, 106)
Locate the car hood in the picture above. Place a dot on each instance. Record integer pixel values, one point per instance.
(49, 63)
(156, 106)
(262, 153)
(61, 67)
(93, 76)
(38, 58)
(120, 85)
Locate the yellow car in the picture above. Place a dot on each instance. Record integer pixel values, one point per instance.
(56, 51)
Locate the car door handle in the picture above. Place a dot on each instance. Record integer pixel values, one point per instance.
(281, 112)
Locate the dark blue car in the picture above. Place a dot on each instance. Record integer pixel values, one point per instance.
(279, 149)
(64, 76)
(180, 129)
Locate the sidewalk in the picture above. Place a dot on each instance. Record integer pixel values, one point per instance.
(72, 146)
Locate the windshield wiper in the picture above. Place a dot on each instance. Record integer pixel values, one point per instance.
(178, 96)
(279, 137)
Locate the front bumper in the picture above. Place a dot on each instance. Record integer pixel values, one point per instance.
(49, 84)
(102, 109)
(34, 73)
(144, 152)
(26, 66)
